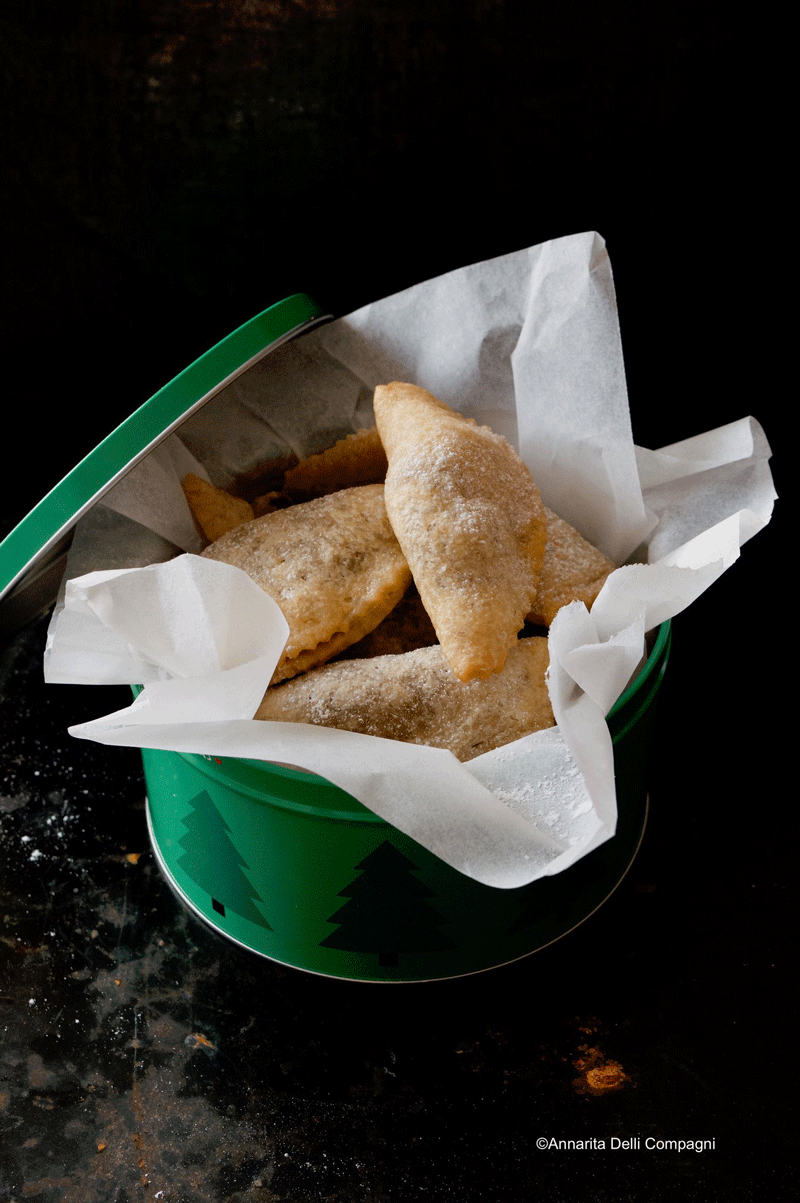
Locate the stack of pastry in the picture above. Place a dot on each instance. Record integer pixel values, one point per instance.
(410, 562)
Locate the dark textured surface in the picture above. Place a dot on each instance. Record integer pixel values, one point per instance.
(172, 168)
(143, 1054)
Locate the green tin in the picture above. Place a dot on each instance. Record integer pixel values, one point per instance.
(290, 866)
(280, 860)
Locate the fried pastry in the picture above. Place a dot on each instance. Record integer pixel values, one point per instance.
(214, 511)
(333, 565)
(470, 521)
(572, 570)
(405, 629)
(265, 503)
(357, 459)
(416, 698)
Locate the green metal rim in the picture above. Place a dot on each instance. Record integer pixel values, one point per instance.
(644, 688)
(53, 517)
(655, 664)
(238, 777)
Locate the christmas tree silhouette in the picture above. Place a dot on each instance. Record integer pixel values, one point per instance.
(212, 862)
(386, 913)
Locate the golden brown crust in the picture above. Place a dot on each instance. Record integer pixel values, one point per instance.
(572, 570)
(470, 521)
(333, 565)
(416, 698)
(267, 503)
(357, 459)
(215, 512)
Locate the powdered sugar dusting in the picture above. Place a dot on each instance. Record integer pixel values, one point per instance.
(542, 782)
(470, 521)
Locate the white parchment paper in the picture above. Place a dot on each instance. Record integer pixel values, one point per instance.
(528, 344)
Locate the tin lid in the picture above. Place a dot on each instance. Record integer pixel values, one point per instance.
(33, 555)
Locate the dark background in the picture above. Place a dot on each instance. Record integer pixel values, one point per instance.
(170, 169)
